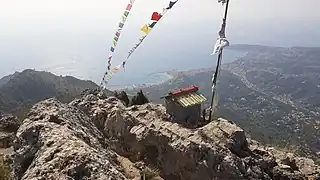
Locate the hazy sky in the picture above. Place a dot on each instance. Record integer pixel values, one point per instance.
(47, 33)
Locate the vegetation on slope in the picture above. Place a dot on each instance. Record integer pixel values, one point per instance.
(5, 170)
(19, 92)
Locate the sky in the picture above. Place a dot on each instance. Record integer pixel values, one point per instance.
(54, 33)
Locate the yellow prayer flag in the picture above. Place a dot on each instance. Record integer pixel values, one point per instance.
(116, 69)
(114, 43)
(145, 29)
(124, 18)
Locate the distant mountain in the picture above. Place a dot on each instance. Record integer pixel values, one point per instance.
(19, 91)
(271, 92)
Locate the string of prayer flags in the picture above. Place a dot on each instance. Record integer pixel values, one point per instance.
(116, 39)
(155, 18)
(146, 29)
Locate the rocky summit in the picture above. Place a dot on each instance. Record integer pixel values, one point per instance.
(97, 137)
(8, 126)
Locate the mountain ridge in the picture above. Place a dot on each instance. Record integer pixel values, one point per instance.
(19, 91)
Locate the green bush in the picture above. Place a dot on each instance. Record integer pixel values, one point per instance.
(139, 99)
(123, 97)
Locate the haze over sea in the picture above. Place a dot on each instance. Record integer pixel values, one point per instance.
(74, 37)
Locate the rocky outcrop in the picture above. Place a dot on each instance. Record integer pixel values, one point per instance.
(57, 141)
(97, 137)
(219, 150)
(8, 127)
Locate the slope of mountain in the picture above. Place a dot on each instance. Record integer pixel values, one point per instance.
(271, 92)
(21, 90)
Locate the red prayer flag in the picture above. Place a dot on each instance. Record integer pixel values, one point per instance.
(110, 57)
(129, 7)
(156, 16)
(118, 34)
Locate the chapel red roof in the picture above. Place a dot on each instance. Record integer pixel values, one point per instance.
(183, 91)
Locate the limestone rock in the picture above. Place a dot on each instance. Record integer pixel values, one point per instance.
(219, 150)
(97, 137)
(57, 141)
(6, 139)
(8, 123)
(8, 127)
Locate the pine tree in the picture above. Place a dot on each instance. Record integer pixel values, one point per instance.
(123, 97)
(139, 99)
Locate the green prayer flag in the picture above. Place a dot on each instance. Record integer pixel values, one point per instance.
(126, 13)
(153, 24)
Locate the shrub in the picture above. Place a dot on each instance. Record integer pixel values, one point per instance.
(150, 173)
(123, 97)
(5, 170)
(139, 99)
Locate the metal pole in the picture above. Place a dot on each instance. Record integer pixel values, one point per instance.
(214, 81)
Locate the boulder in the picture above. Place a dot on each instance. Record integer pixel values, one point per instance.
(9, 123)
(57, 141)
(8, 127)
(6, 139)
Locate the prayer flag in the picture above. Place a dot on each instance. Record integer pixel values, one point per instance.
(121, 25)
(112, 49)
(171, 4)
(126, 13)
(222, 1)
(129, 7)
(118, 34)
(124, 18)
(116, 69)
(152, 24)
(145, 29)
(114, 43)
(156, 16)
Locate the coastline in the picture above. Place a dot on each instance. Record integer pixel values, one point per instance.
(170, 76)
(173, 74)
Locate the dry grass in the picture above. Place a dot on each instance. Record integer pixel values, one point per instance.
(5, 170)
(150, 173)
